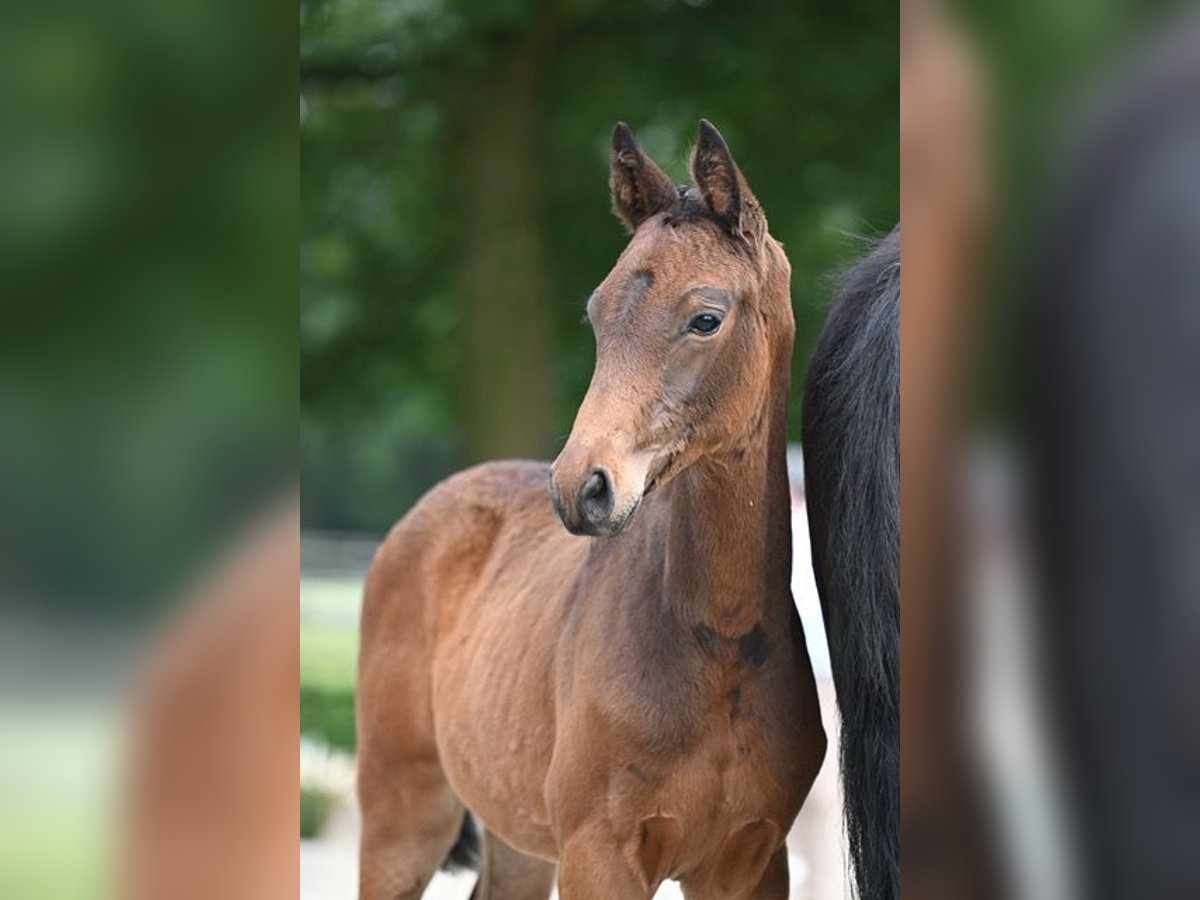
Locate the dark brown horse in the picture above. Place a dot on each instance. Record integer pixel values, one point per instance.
(628, 697)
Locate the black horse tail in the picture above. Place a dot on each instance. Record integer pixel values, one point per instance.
(465, 854)
(852, 486)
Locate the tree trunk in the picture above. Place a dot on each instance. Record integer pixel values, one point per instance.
(507, 314)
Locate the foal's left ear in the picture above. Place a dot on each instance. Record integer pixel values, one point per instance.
(724, 187)
(639, 187)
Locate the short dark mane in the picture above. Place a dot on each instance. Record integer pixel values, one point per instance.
(690, 208)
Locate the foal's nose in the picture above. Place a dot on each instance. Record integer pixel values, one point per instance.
(595, 500)
(593, 488)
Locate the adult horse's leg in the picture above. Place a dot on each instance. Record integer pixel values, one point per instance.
(508, 874)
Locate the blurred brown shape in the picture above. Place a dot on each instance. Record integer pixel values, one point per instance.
(946, 850)
(212, 803)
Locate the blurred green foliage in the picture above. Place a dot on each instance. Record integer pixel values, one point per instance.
(1045, 63)
(328, 659)
(315, 806)
(455, 205)
(328, 715)
(148, 362)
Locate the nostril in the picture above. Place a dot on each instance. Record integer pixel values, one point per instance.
(595, 497)
(595, 486)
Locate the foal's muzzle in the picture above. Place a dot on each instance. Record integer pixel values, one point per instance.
(587, 501)
(588, 508)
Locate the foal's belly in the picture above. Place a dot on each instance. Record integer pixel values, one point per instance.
(494, 695)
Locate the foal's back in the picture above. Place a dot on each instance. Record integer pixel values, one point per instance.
(432, 563)
(443, 576)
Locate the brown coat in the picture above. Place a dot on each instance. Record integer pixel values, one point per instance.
(634, 700)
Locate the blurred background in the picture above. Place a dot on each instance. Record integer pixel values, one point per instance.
(148, 370)
(1050, 336)
(451, 220)
(454, 165)
(455, 218)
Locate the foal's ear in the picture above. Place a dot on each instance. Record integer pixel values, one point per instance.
(639, 187)
(724, 188)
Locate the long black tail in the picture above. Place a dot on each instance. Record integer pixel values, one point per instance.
(466, 851)
(852, 486)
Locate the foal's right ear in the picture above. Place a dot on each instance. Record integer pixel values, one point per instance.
(639, 187)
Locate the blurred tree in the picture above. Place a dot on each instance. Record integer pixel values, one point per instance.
(147, 356)
(505, 286)
(454, 166)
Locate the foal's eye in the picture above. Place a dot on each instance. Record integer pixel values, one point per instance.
(705, 323)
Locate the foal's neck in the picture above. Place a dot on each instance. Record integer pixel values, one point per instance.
(729, 551)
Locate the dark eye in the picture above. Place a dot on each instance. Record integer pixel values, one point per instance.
(705, 323)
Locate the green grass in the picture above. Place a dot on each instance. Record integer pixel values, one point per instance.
(328, 632)
(57, 776)
(328, 656)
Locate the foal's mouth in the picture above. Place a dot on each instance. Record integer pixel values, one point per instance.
(608, 528)
(662, 472)
(619, 523)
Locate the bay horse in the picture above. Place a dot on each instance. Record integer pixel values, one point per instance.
(629, 698)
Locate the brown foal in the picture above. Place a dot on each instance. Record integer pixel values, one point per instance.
(629, 697)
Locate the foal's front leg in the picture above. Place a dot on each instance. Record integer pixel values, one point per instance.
(595, 866)
(508, 874)
(773, 884)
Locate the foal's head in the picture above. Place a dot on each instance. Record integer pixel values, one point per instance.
(690, 325)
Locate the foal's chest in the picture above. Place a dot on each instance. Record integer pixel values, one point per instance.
(726, 787)
(718, 813)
